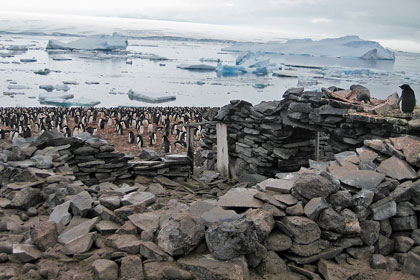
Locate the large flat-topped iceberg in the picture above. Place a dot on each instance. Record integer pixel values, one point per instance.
(344, 47)
(96, 42)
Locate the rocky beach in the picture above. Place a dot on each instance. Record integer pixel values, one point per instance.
(80, 208)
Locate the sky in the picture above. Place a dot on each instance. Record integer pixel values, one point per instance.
(395, 24)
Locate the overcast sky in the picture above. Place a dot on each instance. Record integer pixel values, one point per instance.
(383, 20)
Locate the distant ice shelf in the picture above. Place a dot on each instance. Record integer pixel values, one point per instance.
(343, 47)
(96, 42)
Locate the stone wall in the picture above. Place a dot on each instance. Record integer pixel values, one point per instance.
(279, 135)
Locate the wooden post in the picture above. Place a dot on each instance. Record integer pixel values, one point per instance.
(222, 150)
(317, 146)
(190, 145)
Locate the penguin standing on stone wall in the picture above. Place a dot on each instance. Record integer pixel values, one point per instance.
(407, 100)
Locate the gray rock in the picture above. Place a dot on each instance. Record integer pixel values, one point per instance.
(385, 245)
(272, 264)
(404, 223)
(341, 199)
(232, 239)
(347, 242)
(402, 192)
(81, 204)
(286, 199)
(405, 209)
(327, 254)
(124, 242)
(149, 154)
(307, 250)
(218, 215)
(180, 235)
(44, 235)
(107, 227)
(362, 179)
(370, 231)
(77, 231)
(205, 267)
(384, 209)
(199, 207)
(366, 154)
(148, 222)
(138, 198)
(378, 262)
(331, 220)
(415, 235)
(263, 221)
(240, 197)
(412, 264)
(397, 169)
(302, 230)
(403, 244)
(276, 185)
(363, 199)
(80, 244)
(269, 199)
(25, 253)
(314, 207)
(150, 250)
(311, 185)
(111, 202)
(131, 268)
(361, 252)
(26, 198)
(295, 210)
(277, 241)
(105, 269)
(43, 161)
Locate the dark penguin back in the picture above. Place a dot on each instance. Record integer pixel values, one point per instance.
(408, 99)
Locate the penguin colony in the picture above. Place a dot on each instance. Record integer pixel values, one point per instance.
(130, 129)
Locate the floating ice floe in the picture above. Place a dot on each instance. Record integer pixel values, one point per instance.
(70, 83)
(17, 48)
(260, 85)
(140, 97)
(294, 74)
(44, 96)
(197, 67)
(48, 88)
(230, 70)
(61, 58)
(96, 42)
(26, 60)
(64, 101)
(44, 72)
(344, 47)
(12, 94)
(11, 87)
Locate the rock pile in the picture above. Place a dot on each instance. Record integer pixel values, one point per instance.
(319, 222)
(278, 136)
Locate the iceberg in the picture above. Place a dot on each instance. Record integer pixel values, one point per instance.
(343, 47)
(244, 57)
(230, 70)
(95, 42)
(11, 87)
(197, 67)
(62, 102)
(140, 97)
(45, 95)
(44, 72)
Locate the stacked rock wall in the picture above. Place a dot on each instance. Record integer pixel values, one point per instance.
(279, 135)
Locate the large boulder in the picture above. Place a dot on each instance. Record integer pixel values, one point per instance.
(81, 204)
(26, 198)
(105, 269)
(180, 235)
(311, 185)
(233, 239)
(263, 221)
(331, 220)
(131, 267)
(301, 229)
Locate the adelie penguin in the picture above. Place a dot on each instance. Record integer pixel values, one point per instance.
(166, 144)
(407, 100)
(152, 139)
(139, 141)
(131, 137)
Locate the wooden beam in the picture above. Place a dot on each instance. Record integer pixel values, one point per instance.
(316, 157)
(222, 150)
(190, 146)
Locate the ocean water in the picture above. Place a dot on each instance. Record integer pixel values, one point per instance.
(107, 77)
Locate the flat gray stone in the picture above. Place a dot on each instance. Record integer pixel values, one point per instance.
(107, 227)
(26, 253)
(384, 209)
(124, 242)
(314, 207)
(287, 199)
(363, 179)
(240, 198)
(397, 169)
(276, 185)
(151, 251)
(148, 222)
(138, 198)
(77, 231)
(219, 215)
(80, 244)
(105, 269)
(301, 229)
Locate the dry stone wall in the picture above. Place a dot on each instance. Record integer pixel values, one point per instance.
(279, 135)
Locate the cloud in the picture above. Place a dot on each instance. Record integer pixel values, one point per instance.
(321, 20)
